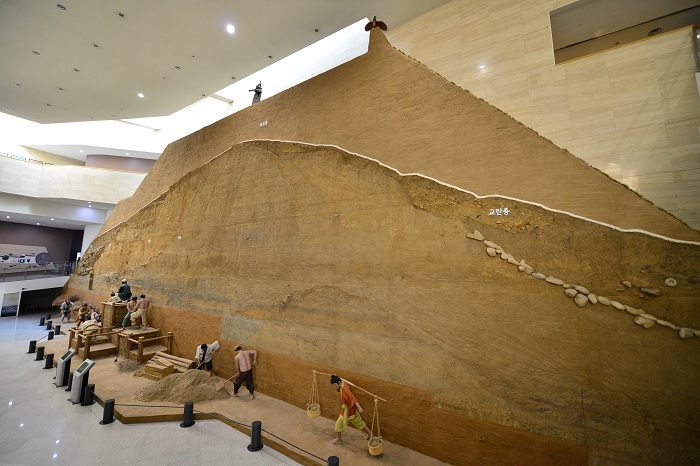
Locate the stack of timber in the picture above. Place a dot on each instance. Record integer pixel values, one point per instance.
(162, 365)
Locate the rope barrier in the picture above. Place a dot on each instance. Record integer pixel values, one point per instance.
(224, 418)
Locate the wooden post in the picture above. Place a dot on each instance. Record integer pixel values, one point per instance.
(87, 346)
(139, 354)
(169, 344)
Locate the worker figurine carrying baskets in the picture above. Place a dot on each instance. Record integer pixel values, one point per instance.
(349, 413)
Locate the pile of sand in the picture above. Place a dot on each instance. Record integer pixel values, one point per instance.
(126, 365)
(193, 385)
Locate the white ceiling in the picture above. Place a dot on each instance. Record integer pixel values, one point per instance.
(89, 61)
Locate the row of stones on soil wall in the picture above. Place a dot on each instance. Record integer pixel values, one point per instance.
(582, 296)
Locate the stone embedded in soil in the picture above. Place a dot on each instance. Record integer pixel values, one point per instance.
(627, 283)
(476, 235)
(686, 332)
(581, 299)
(538, 276)
(604, 301)
(670, 281)
(491, 244)
(593, 298)
(618, 306)
(633, 311)
(554, 281)
(651, 291)
(581, 289)
(570, 292)
(667, 324)
(644, 322)
(491, 252)
(505, 256)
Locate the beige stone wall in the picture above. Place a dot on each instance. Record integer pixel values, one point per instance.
(632, 112)
(66, 181)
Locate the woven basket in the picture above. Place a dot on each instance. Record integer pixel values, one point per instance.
(376, 446)
(313, 410)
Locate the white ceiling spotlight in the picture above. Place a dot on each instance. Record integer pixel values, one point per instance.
(140, 94)
(230, 29)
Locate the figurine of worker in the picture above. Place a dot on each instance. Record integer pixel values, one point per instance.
(350, 411)
(258, 93)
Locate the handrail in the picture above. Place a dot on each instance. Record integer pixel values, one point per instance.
(13, 270)
(141, 341)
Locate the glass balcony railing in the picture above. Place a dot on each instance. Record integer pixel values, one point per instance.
(21, 272)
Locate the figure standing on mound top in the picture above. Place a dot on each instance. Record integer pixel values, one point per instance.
(245, 370)
(258, 93)
(349, 413)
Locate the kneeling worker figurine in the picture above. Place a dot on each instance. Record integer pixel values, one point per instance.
(349, 413)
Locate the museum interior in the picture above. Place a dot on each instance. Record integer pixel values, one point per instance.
(482, 216)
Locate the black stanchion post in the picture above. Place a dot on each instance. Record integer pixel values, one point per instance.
(187, 421)
(70, 382)
(49, 361)
(50, 335)
(89, 395)
(57, 329)
(333, 461)
(48, 316)
(108, 413)
(49, 325)
(32, 346)
(39, 353)
(255, 442)
(42, 321)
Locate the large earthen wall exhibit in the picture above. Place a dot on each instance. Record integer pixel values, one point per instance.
(496, 339)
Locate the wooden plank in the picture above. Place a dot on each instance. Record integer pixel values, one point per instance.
(174, 358)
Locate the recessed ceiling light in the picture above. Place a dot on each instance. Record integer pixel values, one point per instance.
(60, 88)
(8, 216)
(76, 69)
(178, 68)
(121, 15)
(5, 108)
(38, 223)
(35, 52)
(127, 153)
(230, 29)
(140, 94)
(316, 30)
(269, 56)
(81, 151)
(60, 7)
(52, 221)
(18, 85)
(95, 45)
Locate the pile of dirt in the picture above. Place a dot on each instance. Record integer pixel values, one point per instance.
(193, 385)
(126, 365)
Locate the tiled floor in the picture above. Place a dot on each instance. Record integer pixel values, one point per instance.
(39, 426)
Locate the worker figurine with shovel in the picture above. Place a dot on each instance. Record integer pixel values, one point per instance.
(205, 354)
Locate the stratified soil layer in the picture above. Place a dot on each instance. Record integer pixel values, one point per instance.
(321, 259)
(386, 106)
